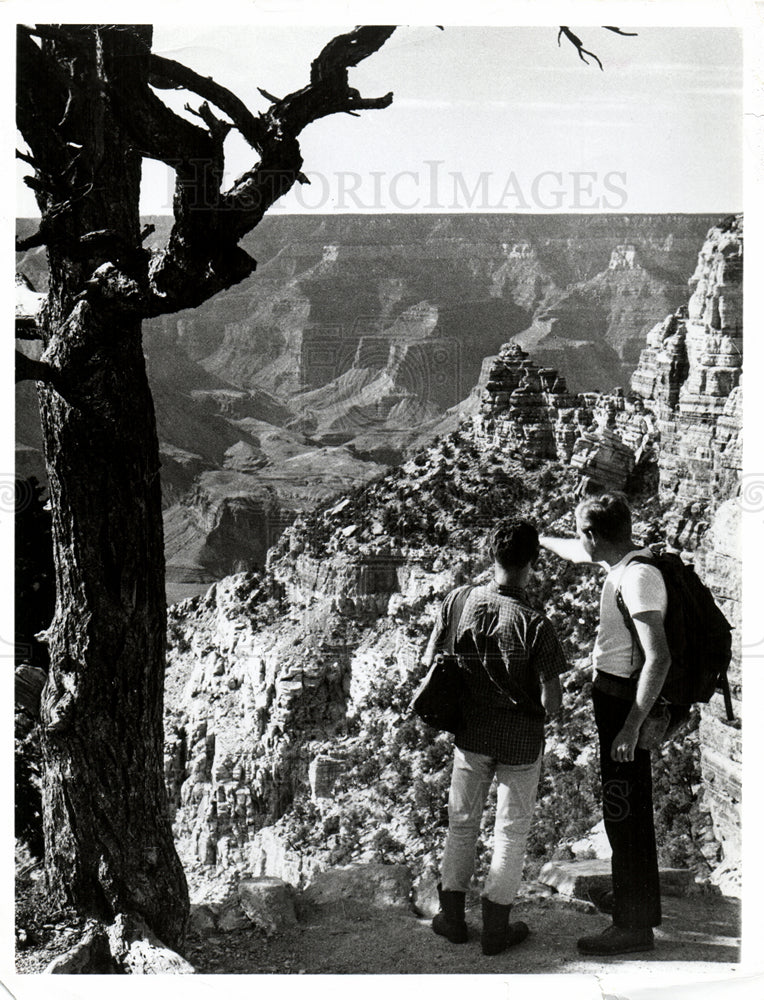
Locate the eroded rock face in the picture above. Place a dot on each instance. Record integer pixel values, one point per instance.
(527, 411)
(690, 377)
(245, 688)
(690, 374)
(236, 695)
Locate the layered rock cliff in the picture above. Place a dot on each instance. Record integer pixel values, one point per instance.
(369, 333)
(292, 748)
(690, 376)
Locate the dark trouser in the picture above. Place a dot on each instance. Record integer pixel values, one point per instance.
(627, 807)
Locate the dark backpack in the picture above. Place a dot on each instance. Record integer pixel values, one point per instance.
(698, 635)
(441, 696)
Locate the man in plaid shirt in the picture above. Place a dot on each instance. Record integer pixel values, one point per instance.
(512, 660)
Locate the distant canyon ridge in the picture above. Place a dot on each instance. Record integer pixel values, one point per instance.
(362, 337)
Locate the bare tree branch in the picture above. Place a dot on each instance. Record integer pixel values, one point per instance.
(25, 157)
(180, 276)
(167, 72)
(37, 371)
(576, 41)
(37, 239)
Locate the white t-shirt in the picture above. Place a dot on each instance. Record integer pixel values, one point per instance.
(643, 589)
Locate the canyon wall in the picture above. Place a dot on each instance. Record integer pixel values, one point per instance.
(358, 339)
(241, 688)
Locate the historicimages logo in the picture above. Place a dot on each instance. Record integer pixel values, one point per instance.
(429, 187)
(432, 188)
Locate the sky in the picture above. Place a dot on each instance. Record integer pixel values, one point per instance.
(491, 118)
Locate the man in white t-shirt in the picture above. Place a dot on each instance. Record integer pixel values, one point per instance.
(628, 677)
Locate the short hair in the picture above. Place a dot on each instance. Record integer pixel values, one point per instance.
(513, 544)
(608, 514)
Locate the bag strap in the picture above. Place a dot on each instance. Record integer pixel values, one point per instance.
(625, 613)
(455, 612)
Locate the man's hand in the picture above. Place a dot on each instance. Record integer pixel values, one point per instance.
(625, 744)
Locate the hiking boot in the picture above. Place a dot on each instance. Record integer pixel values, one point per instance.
(618, 941)
(449, 922)
(498, 933)
(602, 899)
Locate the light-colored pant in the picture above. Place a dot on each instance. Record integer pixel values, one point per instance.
(471, 779)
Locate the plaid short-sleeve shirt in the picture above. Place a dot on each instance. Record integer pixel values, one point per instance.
(507, 649)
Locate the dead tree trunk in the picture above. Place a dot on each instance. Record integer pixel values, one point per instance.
(109, 846)
(88, 115)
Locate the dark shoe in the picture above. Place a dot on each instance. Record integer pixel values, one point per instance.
(602, 899)
(498, 933)
(618, 941)
(449, 921)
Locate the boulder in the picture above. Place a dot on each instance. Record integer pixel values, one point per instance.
(268, 903)
(375, 885)
(576, 878)
(202, 918)
(232, 917)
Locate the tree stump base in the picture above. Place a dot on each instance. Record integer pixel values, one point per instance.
(126, 947)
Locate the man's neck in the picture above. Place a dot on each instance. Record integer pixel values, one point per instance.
(516, 579)
(615, 553)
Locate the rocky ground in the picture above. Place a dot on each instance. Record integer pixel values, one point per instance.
(698, 937)
(354, 939)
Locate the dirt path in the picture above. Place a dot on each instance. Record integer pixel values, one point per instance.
(699, 936)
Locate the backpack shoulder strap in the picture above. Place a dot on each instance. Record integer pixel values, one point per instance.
(637, 560)
(455, 611)
(621, 603)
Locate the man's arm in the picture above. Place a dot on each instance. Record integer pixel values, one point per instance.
(551, 695)
(436, 637)
(566, 548)
(549, 661)
(652, 638)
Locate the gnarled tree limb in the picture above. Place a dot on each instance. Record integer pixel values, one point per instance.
(168, 73)
(182, 274)
(579, 45)
(202, 255)
(37, 371)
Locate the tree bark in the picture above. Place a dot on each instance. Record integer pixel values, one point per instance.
(103, 704)
(108, 840)
(88, 115)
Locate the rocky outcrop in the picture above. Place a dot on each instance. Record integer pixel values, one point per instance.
(238, 692)
(527, 411)
(690, 377)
